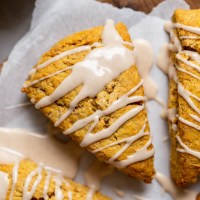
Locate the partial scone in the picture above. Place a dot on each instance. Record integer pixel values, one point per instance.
(88, 85)
(184, 96)
(28, 180)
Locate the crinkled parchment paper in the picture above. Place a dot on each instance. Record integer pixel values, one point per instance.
(53, 20)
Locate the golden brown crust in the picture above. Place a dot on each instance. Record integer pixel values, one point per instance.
(185, 168)
(26, 167)
(127, 80)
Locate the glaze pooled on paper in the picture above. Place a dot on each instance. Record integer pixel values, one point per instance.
(15, 152)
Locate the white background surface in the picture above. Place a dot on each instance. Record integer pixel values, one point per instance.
(48, 26)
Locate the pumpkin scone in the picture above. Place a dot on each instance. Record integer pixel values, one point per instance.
(184, 95)
(88, 85)
(27, 180)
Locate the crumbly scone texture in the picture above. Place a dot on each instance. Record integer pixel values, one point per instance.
(185, 168)
(143, 170)
(26, 167)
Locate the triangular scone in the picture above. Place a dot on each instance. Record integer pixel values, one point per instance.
(184, 98)
(128, 138)
(35, 181)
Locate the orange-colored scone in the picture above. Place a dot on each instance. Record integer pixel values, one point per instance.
(50, 185)
(183, 97)
(127, 80)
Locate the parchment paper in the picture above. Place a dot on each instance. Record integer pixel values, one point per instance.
(52, 20)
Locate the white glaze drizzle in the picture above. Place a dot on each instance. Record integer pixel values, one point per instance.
(189, 123)
(70, 195)
(193, 55)
(46, 186)
(14, 178)
(28, 194)
(175, 193)
(184, 93)
(191, 29)
(98, 68)
(140, 155)
(64, 54)
(90, 194)
(176, 45)
(8, 156)
(179, 57)
(191, 37)
(4, 183)
(128, 141)
(60, 71)
(185, 71)
(46, 77)
(58, 191)
(18, 105)
(195, 117)
(186, 149)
